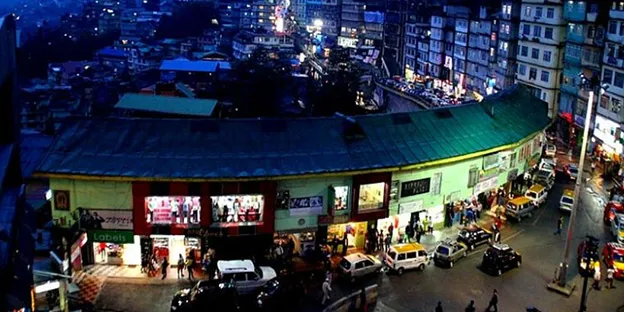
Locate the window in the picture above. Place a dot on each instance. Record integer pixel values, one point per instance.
(616, 105)
(359, 265)
(533, 73)
(547, 55)
(524, 50)
(527, 11)
(537, 31)
(621, 28)
(401, 257)
(613, 27)
(550, 13)
(535, 53)
(545, 76)
(538, 11)
(411, 255)
(526, 29)
(591, 32)
(543, 95)
(618, 81)
(607, 76)
(548, 32)
(522, 69)
(473, 177)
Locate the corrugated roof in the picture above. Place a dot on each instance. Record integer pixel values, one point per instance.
(258, 148)
(194, 66)
(32, 149)
(167, 104)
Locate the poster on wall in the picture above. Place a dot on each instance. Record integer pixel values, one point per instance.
(341, 195)
(371, 196)
(61, 200)
(233, 210)
(106, 219)
(412, 206)
(177, 210)
(306, 206)
(486, 185)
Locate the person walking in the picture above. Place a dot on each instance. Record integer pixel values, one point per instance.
(493, 302)
(326, 291)
(345, 243)
(164, 266)
(609, 279)
(419, 233)
(470, 307)
(190, 263)
(425, 224)
(180, 266)
(387, 242)
(430, 227)
(559, 226)
(439, 307)
(381, 240)
(597, 277)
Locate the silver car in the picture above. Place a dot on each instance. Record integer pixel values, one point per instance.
(449, 252)
(358, 265)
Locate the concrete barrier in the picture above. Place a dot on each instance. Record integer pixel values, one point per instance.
(353, 302)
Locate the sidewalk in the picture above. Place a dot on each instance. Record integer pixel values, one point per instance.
(132, 273)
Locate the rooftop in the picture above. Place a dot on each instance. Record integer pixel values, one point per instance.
(232, 149)
(194, 66)
(33, 147)
(167, 104)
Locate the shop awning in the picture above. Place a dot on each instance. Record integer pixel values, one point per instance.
(567, 117)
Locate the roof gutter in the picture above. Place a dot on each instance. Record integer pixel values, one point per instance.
(291, 177)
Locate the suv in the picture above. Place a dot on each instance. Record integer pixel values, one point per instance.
(474, 235)
(449, 252)
(499, 258)
(216, 295)
(520, 207)
(358, 265)
(246, 276)
(545, 178)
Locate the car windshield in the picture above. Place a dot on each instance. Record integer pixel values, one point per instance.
(567, 200)
(531, 194)
(345, 264)
(463, 233)
(574, 170)
(443, 250)
(618, 258)
(259, 272)
(543, 174)
(391, 254)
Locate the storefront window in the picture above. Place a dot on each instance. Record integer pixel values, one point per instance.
(355, 232)
(179, 210)
(371, 196)
(341, 197)
(236, 209)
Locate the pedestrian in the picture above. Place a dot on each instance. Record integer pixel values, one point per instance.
(345, 243)
(559, 226)
(609, 280)
(439, 307)
(597, 277)
(180, 266)
(387, 242)
(418, 234)
(430, 227)
(426, 223)
(469, 216)
(593, 166)
(381, 240)
(390, 230)
(326, 291)
(190, 263)
(493, 302)
(470, 307)
(408, 233)
(164, 266)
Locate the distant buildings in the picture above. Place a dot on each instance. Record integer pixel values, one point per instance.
(325, 14)
(246, 42)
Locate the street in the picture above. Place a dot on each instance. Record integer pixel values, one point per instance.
(420, 291)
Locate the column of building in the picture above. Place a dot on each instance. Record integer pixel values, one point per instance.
(506, 61)
(352, 25)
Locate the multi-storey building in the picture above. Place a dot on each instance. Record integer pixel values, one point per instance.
(583, 54)
(230, 14)
(609, 113)
(246, 42)
(540, 57)
(298, 9)
(393, 35)
(324, 13)
(506, 61)
(373, 23)
(258, 15)
(109, 20)
(136, 24)
(416, 41)
(352, 23)
(440, 23)
(482, 43)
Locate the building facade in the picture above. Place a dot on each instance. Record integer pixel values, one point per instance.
(352, 25)
(326, 14)
(509, 22)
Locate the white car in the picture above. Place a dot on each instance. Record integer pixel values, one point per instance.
(358, 265)
(247, 277)
(548, 163)
(551, 150)
(566, 201)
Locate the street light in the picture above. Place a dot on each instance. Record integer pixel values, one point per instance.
(563, 266)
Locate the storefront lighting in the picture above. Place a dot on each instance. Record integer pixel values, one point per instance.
(48, 195)
(318, 23)
(593, 139)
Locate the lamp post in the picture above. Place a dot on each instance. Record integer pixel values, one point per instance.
(563, 266)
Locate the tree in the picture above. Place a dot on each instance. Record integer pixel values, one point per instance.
(338, 88)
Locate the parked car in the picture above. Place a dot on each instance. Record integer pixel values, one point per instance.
(449, 252)
(358, 265)
(545, 178)
(247, 277)
(549, 164)
(610, 209)
(500, 258)
(572, 171)
(279, 295)
(474, 235)
(403, 257)
(214, 295)
(537, 194)
(550, 150)
(520, 207)
(567, 200)
(617, 227)
(613, 256)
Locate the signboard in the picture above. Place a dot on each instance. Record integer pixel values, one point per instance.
(104, 219)
(305, 206)
(410, 207)
(327, 219)
(115, 237)
(486, 185)
(61, 200)
(490, 161)
(415, 187)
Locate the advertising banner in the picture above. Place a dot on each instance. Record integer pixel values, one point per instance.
(114, 237)
(106, 219)
(306, 206)
(486, 185)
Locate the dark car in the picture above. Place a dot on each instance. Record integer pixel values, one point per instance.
(474, 235)
(214, 295)
(500, 258)
(281, 294)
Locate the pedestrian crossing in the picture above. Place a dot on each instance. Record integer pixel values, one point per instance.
(114, 270)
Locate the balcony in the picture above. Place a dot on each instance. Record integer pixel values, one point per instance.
(609, 114)
(575, 37)
(569, 88)
(572, 60)
(574, 11)
(614, 37)
(616, 14)
(612, 61)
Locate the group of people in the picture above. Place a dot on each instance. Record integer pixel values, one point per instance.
(597, 275)
(492, 305)
(464, 212)
(150, 264)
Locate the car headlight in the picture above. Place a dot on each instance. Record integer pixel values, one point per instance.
(174, 308)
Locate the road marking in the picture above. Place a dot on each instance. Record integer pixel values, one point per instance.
(540, 215)
(512, 236)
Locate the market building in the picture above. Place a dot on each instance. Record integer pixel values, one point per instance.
(174, 186)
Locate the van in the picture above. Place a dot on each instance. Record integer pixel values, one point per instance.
(567, 200)
(403, 257)
(519, 208)
(537, 193)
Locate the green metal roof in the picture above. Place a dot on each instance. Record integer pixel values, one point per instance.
(260, 148)
(167, 104)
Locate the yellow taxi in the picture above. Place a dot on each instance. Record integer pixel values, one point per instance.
(520, 207)
(567, 200)
(537, 193)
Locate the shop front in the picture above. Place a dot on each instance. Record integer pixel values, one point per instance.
(355, 233)
(115, 247)
(608, 137)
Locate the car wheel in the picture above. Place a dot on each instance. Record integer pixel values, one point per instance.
(400, 271)
(499, 272)
(451, 264)
(421, 267)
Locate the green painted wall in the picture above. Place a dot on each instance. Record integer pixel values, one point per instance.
(305, 188)
(92, 194)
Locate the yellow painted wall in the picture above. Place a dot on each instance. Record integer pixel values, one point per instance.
(93, 195)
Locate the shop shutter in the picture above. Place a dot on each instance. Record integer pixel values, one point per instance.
(473, 177)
